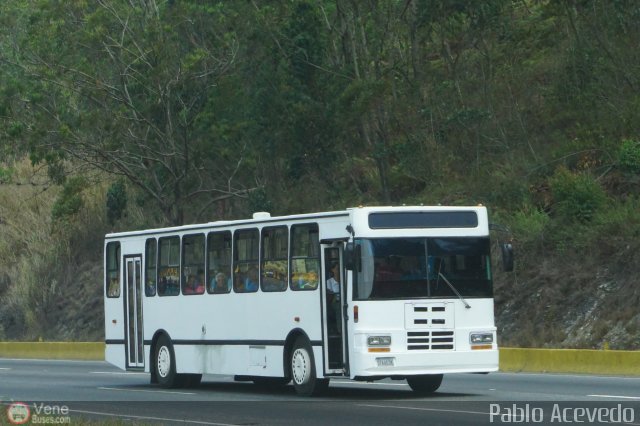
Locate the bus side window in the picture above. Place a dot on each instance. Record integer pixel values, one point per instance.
(305, 257)
(274, 264)
(112, 270)
(151, 259)
(245, 260)
(193, 264)
(169, 265)
(219, 262)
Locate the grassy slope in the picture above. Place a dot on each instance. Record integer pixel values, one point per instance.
(580, 292)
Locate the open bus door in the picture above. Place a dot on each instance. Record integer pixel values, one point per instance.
(333, 297)
(134, 343)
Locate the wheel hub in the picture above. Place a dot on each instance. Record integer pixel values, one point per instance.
(164, 361)
(300, 366)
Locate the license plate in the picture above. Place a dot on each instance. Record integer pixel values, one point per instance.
(385, 362)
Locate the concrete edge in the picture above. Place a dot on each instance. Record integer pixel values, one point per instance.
(584, 361)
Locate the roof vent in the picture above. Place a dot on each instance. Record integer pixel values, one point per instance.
(261, 215)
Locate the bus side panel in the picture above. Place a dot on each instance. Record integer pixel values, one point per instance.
(114, 310)
(114, 321)
(114, 354)
(235, 333)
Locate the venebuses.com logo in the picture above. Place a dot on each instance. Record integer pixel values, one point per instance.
(18, 413)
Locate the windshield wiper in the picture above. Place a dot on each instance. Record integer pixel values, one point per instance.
(466, 305)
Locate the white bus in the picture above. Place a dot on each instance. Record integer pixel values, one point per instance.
(257, 298)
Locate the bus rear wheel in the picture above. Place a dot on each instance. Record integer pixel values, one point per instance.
(303, 370)
(165, 364)
(425, 384)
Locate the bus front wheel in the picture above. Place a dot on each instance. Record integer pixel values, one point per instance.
(425, 384)
(303, 370)
(165, 364)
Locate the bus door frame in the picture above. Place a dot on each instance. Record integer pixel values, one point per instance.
(132, 285)
(325, 246)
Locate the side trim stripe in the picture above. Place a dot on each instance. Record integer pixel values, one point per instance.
(185, 342)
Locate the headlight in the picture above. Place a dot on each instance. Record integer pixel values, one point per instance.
(481, 338)
(379, 340)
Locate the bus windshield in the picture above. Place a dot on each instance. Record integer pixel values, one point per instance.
(414, 268)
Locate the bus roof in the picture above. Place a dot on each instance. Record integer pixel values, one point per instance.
(260, 219)
(263, 217)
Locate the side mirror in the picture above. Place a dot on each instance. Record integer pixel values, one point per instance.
(352, 258)
(507, 257)
(349, 256)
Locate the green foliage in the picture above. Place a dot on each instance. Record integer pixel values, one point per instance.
(5, 174)
(577, 196)
(116, 201)
(614, 230)
(69, 201)
(259, 201)
(529, 225)
(629, 156)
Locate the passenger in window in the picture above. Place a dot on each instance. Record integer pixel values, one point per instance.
(251, 281)
(198, 286)
(238, 281)
(188, 286)
(195, 284)
(333, 297)
(312, 280)
(150, 287)
(221, 283)
(114, 287)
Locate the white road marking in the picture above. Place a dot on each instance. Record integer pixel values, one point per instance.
(344, 382)
(616, 396)
(120, 373)
(5, 368)
(398, 407)
(162, 419)
(148, 391)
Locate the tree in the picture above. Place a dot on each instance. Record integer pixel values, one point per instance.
(125, 86)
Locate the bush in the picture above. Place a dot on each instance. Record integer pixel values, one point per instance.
(529, 225)
(69, 201)
(116, 201)
(576, 196)
(629, 156)
(615, 229)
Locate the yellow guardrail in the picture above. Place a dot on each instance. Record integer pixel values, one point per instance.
(53, 350)
(511, 359)
(570, 361)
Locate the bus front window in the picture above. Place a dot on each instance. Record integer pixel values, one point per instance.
(413, 268)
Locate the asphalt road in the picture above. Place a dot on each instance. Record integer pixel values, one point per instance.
(100, 392)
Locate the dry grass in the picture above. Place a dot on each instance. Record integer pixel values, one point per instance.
(40, 261)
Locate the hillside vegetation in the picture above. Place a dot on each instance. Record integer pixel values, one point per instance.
(124, 115)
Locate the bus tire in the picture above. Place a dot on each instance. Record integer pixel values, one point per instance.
(165, 364)
(303, 370)
(425, 384)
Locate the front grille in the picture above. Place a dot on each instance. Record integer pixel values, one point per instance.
(430, 340)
